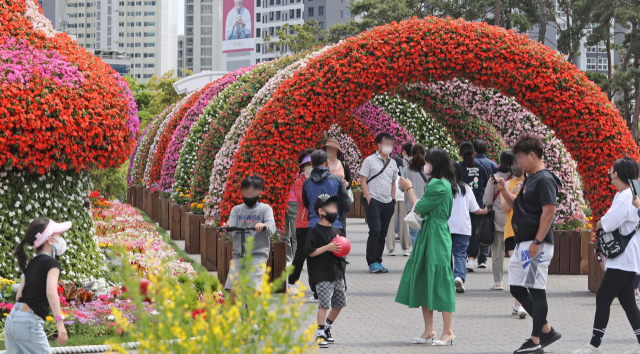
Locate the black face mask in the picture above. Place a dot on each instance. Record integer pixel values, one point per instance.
(517, 171)
(331, 217)
(250, 201)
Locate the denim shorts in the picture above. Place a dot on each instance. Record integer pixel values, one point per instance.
(24, 333)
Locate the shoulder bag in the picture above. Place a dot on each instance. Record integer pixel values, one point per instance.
(363, 200)
(612, 244)
(485, 225)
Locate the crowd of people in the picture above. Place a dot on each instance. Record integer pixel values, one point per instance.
(447, 216)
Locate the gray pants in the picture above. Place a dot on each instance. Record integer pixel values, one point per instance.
(497, 256)
(405, 238)
(290, 231)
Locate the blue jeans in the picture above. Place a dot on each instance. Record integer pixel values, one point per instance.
(24, 333)
(414, 235)
(459, 244)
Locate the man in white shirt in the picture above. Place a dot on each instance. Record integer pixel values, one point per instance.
(238, 24)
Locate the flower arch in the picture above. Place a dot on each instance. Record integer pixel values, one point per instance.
(429, 50)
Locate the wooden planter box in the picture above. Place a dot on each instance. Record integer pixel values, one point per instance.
(276, 263)
(567, 253)
(175, 224)
(139, 197)
(184, 222)
(165, 220)
(155, 206)
(596, 270)
(192, 239)
(356, 210)
(209, 236)
(130, 195)
(145, 200)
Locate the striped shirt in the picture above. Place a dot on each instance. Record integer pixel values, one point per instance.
(380, 188)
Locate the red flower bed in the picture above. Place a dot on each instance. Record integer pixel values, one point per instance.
(432, 49)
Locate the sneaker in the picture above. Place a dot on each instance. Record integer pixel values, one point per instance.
(321, 341)
(383, 269)
(327, 333)
(529, 347)
(636, 350)
(549, 338)
(588, 349)
(522, 314)
(346, 260)
(459, 285)
(313, 298)
(375, 268)
(471, 265)
(292, 289)
(397, 237)
(497, 286)
(406, 253)
(482, 265)
(391, 253)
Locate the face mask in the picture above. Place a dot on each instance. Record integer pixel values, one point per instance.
(250, 201)
(60, 247)
(330, 217)
(307, 171)
(517, 171)
(427, 169)
(387, 150)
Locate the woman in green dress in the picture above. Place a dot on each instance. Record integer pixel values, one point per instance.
(427, 279)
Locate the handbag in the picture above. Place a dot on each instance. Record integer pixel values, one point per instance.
(612, 244)
(350, 195)
(414, 220)
(363, 200)
(485, 226)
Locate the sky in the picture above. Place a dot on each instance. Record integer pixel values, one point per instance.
(180, 16)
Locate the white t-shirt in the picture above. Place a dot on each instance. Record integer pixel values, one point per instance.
(623, 215)
(460, 220)
(399, 193)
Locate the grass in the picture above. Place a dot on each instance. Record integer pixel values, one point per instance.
(165, 236)
(82, 340)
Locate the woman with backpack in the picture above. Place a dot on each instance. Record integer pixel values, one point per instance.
(415, 172)
(38, 291)
(621, 269)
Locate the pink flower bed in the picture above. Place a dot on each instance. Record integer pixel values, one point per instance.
(378, 121)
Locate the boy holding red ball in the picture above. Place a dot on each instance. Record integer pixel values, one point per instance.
(326, 270)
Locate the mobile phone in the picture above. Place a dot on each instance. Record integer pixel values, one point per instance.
(493, 178)
(635, 187)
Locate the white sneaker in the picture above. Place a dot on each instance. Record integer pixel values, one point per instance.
(406, 253)
(391, 253)
(292, 290)
(635, 350)
(588, 349)
(471, 265)
(521, 312)
(497, 286)
(459, 285)
(313, 299)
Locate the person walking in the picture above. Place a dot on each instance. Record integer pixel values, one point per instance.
(489, 167)
(290, 224)
(339, 167)
(397, 223)
(464, 205)
(509, 244)
(534, 210)
(427, 279)
(621, 270)
(38, 291)
(378, 179)
(492, 199)
(415, 172)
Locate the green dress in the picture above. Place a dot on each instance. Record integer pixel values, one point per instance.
(427, 279)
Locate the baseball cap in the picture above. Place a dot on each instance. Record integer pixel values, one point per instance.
(322, 200)
(319, 157)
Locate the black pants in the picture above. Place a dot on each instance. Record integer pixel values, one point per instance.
(300, 256)
(475, 250)
(378, 218)
(618, 283)
(534, 301)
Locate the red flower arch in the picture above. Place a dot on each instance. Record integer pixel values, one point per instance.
(425, 50)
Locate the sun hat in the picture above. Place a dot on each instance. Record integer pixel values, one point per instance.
(51, 229)
(306, 160)
(334, 144)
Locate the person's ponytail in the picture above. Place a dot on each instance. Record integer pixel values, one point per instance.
(466, 152)
(418, 153)
(35, 227)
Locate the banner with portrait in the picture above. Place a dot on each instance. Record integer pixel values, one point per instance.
(238, 30)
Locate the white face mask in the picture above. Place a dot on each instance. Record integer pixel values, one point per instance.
(60, 247)
(307, 171)
(387, 150)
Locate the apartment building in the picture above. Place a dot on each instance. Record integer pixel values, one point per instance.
(180, 55)
(328, 12)
(145, 29)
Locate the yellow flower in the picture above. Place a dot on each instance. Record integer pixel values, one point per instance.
(193, 205)
(200, 206)
(49, 318)
(177, 189)
(5, 314)
(181, 195)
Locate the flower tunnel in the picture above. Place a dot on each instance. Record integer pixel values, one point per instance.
(399, 56)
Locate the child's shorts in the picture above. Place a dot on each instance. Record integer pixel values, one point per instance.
(530, 272)
(258, 265)
(331, 294)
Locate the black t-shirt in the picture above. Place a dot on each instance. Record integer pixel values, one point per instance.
(476, 177)
(327, 266)
(34, 292)
(538, 190)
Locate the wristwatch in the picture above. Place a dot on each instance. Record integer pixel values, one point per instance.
(536, 242)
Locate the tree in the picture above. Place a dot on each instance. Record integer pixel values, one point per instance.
(297, 38)
(572, 23)
(542, 23)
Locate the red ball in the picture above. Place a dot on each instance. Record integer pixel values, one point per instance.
(346, 246)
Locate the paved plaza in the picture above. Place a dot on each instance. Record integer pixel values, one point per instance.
(374, 323)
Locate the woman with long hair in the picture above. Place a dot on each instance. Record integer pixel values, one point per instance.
(427, 279)
(38, 291)
(414, 172)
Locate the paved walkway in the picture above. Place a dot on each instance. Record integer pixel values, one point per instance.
(373, 323)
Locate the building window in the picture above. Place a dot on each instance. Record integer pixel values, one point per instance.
(206, 31)
(138, 45)
(150, 3)
(149, 34)
(257, 61)
(205, 61)
(81, 35)
(591, 63)
(138, 3)
(138, 34)
(189, 31)
(347, 12)
(271, 31)
(189, 21)
(147, 76)
(206, 41)
(149, 45)
(148, 55)
(271, 16)
(206, 20)
(591, 49)
(129, 45)
(602, 47)
(122, 34)
(257, 33)
(206, 51)
(149, 24)
(130, 13)
(298, 13)
(278, 2)
(278, 16)
(149, 13)
(311, 12)
(603, 64)
(130, 24)
(320, 10)
(321, 25)
(292, 13)
(137, 65)
(121, 45)
(258, 3)
(206, 9)
(257, 17)
(150, 65)
(271, 2)
(189, 10)
(138, 13)
(257, 47)
(189, 41)
(139, 24)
